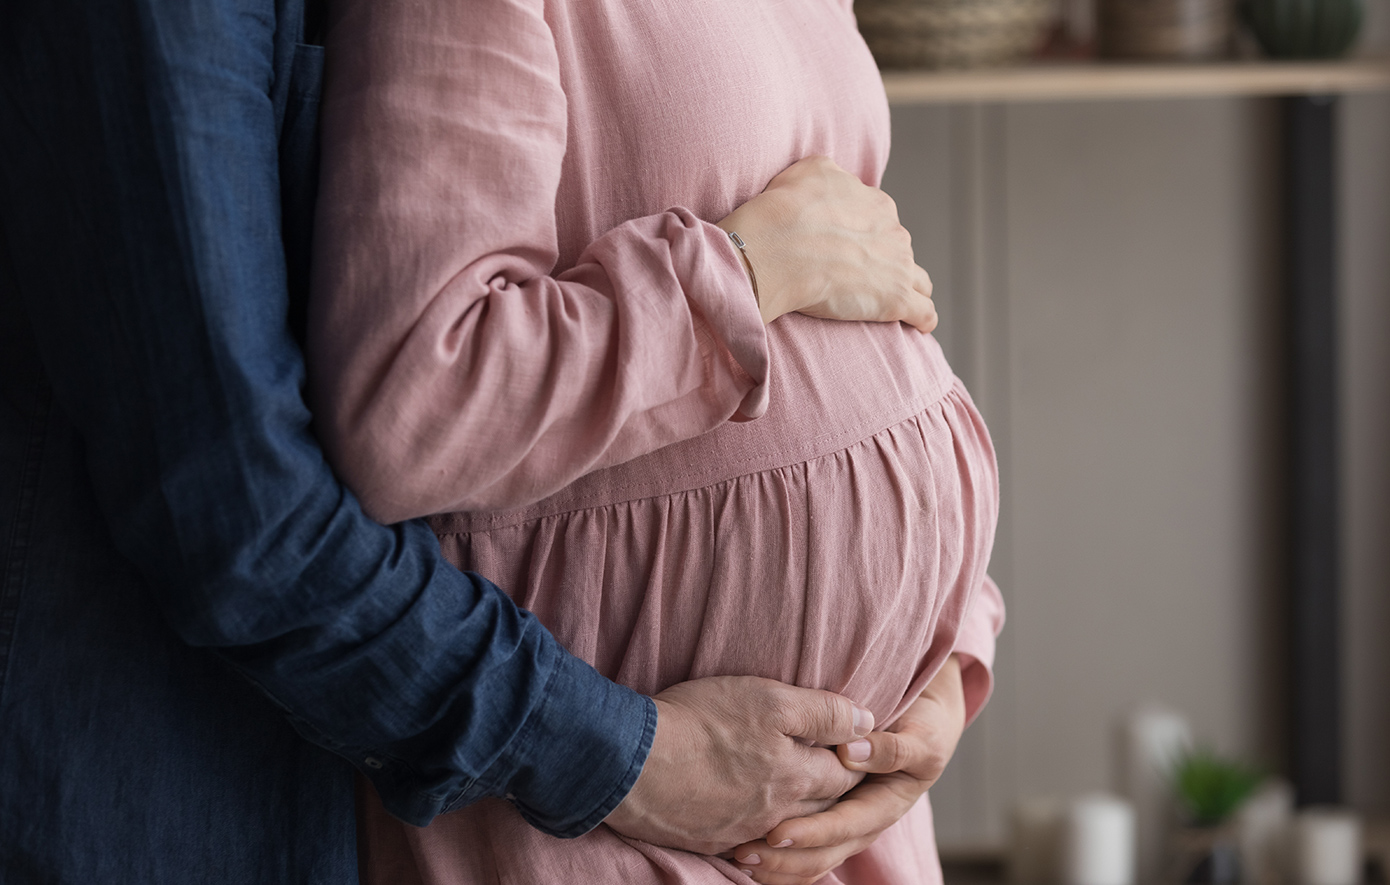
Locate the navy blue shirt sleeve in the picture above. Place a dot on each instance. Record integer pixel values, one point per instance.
(141, 146)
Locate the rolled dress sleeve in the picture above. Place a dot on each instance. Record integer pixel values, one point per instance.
(450, 369)
(975, 645)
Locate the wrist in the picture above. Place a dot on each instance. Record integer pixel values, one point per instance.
(742, 248)
(753, 257)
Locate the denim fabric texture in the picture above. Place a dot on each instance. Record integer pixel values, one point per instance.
(186, 591)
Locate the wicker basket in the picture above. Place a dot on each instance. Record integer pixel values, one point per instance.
(952, 33)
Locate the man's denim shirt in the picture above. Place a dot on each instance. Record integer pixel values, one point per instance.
(183, 579)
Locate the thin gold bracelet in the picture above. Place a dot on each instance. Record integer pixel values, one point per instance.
(748, 263)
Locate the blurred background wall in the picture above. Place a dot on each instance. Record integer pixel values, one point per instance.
(1107, 275)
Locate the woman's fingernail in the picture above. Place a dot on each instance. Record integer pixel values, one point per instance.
(785, 843)
(863, 721)
(751, 859)
(748, 873)
(858, 751)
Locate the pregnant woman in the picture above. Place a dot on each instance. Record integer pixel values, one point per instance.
(514, 330)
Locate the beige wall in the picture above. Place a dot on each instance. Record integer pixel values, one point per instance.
(1107, 280)
(1366, 447)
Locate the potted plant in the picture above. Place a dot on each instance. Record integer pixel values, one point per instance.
(1209, 789)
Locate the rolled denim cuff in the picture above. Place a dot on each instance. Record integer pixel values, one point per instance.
(582, 751)
(573, 761)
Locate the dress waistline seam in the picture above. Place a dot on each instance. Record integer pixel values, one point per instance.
(464, 523)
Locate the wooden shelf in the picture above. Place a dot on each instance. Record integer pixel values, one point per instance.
(1104, 81)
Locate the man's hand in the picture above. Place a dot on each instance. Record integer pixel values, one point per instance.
(903, 763)
(733, 756)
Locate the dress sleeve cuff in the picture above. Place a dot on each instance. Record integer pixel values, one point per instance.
(975, 646)
(738, 320)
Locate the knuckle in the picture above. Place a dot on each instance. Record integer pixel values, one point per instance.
(769, 819)
(797, 865)
(907, 301)
(834, 714)
(770, 695)
(778, 862)
(934, 768)
(894, 754)
(840, 834)
(781, 709)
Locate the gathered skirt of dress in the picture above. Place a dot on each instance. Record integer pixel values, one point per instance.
(837, 543)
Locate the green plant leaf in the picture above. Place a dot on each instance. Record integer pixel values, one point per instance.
(1210, 787)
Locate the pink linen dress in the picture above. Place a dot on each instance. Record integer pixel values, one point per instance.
(525, 323)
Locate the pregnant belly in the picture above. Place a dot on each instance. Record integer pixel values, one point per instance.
(831, 385)
(832, 543)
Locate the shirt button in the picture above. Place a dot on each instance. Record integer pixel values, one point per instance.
(372, 762)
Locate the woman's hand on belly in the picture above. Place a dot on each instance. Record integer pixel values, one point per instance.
(823, 243)
(902, 762)
(734, 755)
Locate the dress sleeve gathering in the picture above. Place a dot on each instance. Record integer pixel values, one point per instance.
(452, 369)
